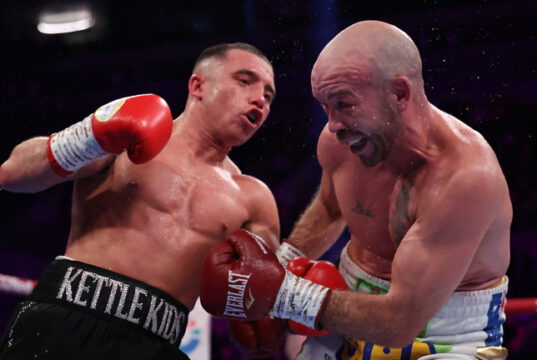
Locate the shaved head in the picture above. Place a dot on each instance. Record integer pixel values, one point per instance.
(377, 52)
(368, 80)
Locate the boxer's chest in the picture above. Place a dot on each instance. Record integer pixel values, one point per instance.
(203, 199)
(378, 207)
(217, 204)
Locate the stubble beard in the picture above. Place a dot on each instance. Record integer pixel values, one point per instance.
(383, 140)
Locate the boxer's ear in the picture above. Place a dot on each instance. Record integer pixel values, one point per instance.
(195, 85)
(400, 89)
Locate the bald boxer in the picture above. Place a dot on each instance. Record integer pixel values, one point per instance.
(142, 220)
(424, 199)
(426, 204)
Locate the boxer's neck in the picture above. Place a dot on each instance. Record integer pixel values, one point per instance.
(199, 139)
(418, 141)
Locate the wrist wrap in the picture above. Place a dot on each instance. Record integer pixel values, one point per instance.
(73, 148)
(300, 300)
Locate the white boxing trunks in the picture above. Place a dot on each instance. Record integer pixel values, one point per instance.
(469, 323)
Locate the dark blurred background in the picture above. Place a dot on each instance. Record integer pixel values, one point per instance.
(479, 61)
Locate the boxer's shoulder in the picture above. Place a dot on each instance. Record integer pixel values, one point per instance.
(244, 181)
(460, 180)
(467, 147)
(258, 197)
(465, 161)
(330, 152)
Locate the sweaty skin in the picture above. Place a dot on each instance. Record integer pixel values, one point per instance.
(155, 222)
(422, 194)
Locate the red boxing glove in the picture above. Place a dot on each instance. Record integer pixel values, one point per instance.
(320, 272)
(258, 339)
(141, 124)
(240, 278)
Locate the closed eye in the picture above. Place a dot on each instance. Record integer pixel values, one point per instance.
(343, 105)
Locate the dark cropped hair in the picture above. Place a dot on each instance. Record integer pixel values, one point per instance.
(221, 51)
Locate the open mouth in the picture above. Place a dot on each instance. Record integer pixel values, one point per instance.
(253, 116)
(357, 144)
(354, 139)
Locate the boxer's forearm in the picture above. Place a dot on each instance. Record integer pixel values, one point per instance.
(317, 229)
(377, 319)
(27, 169)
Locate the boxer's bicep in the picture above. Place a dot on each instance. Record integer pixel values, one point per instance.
(264, 220)
(438, 249)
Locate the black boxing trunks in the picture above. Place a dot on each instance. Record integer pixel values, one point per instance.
(79, 311)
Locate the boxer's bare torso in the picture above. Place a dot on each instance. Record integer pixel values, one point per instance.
(379, 206)
(422, 194)
(154, 222)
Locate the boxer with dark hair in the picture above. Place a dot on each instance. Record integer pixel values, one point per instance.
(427, 207)
(143, 219)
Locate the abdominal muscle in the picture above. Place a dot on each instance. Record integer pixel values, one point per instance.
(372, 262)
(153, 222)
(168, 262)
(163, 247)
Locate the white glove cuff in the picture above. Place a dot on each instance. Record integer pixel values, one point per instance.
(287, 252)
(300, 300)
(76, 146)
